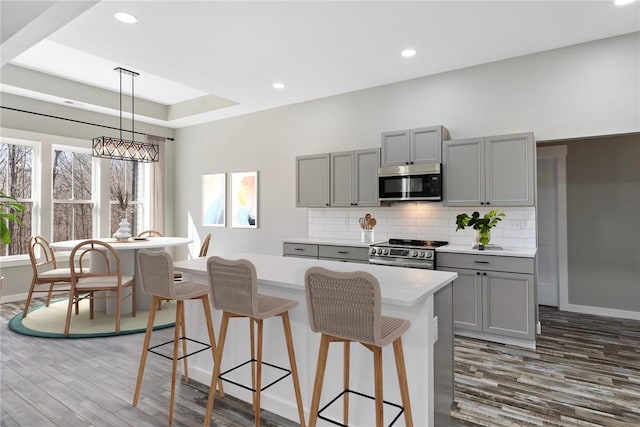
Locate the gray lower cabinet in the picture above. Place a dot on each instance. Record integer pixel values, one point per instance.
(312, 181)
(328, 252)
(344, 253)
(493, 294)
(342, 179)
(493, 171)
(302, 250)
(413, 146)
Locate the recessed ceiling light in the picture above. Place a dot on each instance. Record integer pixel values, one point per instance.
(623, 2)
(408, 53)
(125, 17)
(278, 85)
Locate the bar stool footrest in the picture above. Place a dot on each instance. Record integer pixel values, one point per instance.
(205, 347)
(385, 402)
(287, 372)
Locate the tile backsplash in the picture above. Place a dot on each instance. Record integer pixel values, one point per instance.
(429, 221)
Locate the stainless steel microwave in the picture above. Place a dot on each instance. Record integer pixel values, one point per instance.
(410, 182)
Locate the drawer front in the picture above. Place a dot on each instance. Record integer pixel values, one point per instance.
(351, 253)
(486, 262)
(300, 249)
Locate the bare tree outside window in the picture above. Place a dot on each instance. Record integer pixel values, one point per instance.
(16, 172)
(72, 195)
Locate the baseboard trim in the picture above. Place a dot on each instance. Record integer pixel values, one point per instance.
(497, 338)
(601, 311)
(15, 297)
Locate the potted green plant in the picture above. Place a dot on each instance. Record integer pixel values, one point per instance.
(482, 225)
(9, 208)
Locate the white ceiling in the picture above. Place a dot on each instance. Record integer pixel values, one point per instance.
(207, 60)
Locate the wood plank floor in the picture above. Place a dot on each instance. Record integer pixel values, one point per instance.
(585, 372)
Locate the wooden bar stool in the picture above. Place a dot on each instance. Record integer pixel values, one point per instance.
(346, 307)
(234, 288)
(156, 269)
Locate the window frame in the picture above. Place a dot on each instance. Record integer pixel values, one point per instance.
(35, 200)
(95, 188)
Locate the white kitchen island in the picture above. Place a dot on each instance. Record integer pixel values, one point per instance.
(406, 293)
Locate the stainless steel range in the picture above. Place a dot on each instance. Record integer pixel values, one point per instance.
(406, 253)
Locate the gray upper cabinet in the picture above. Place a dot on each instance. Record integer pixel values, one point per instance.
(463, 173)
(354, 178)
(495, 170)
(312, 181)
(348, 178)
(413, 146)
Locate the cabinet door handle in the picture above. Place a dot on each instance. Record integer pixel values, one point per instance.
(488, 203)
(298, 249)
(477, 273)
(481, 262)
(484, 274)
(343, 252)
(482, 203)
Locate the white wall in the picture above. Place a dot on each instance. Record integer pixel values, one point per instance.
(588, 89)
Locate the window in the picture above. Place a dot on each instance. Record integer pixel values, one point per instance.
(129, 188)
(72, 195)
(17, 180)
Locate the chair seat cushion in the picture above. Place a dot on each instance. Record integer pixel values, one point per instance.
(101, 282)
(272, 306)
(188, 290)
(391, 328)
(62, 274)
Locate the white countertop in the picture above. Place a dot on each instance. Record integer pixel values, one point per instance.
(333, 242)
(505, 251)
(398, 286)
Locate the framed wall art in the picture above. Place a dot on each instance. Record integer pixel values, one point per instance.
(214, 188)
(244, 199)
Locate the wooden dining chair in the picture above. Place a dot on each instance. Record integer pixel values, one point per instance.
(96, 267)
(150, 233)
(47, 276)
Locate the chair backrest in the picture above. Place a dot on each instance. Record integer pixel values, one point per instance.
(234, 285)
(156, 270)
(205, 246)
(48, 257)
(94, 258)
(344, 304)
(150, 233)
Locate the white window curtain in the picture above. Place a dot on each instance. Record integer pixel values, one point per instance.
(158, 172)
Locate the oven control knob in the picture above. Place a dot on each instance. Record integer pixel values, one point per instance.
(429, 255)
(421, 254)
(385, 252)
(414, 253)
(372, 251)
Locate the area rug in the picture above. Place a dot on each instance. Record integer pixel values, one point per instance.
(48, 322)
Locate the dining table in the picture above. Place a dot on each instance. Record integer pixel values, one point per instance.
(128, 253)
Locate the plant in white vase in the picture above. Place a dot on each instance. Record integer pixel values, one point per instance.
(482, 225)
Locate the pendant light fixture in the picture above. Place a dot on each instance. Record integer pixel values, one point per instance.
(123, 149)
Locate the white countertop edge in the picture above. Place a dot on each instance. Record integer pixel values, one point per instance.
(398, 286)
(505, 251)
